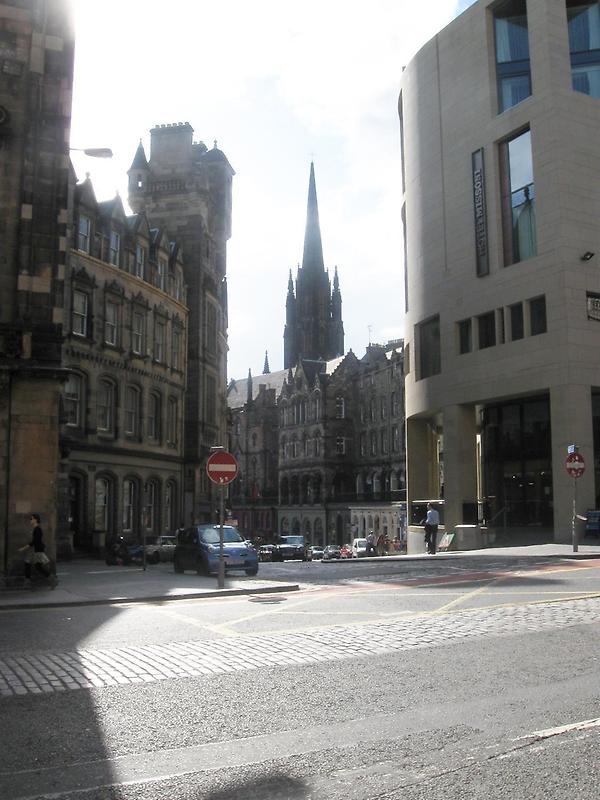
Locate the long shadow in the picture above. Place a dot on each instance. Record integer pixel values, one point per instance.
(274, 787)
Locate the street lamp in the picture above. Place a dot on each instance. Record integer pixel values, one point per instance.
(94, 152)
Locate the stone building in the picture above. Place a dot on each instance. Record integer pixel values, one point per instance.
(500, 114)
(313, 313)
(125, 332)
(186, 189)
(332, 433)
(36, 58)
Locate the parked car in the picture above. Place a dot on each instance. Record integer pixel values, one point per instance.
(198, 548)
(265, 552)
(290, 547)
(331, 551)
(345, 551)
(359, 548)
(162, 549)
(314, 553)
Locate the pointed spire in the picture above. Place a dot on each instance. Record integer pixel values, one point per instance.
(249, 387)
(266, 368)
(290, 284)
(336, 281)
(139, 160)
(312, 259)
(290, 377)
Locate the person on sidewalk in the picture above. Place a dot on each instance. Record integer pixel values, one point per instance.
(432, 521)
(36, 548)
(371, 548)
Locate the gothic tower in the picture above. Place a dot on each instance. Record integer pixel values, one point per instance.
(186, 188)
(313, 323)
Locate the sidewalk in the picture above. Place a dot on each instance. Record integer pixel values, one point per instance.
(90, 582)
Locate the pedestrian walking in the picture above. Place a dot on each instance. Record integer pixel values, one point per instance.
(371, 548)
(35, 551)
(432, 521)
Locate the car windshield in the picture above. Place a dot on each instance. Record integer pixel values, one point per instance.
(295, 540)
(211, 535)
(361, 542)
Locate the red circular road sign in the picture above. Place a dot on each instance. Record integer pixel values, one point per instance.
(575, 465)
(222, 467)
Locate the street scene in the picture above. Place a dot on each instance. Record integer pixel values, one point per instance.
(466, 676)
(299, 400)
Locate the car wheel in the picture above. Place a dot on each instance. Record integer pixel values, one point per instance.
(154, 558)
(177, 566)
(202, 567)
(252, 571)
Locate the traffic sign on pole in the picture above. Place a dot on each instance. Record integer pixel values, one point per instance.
(222, 467)
(575, 465)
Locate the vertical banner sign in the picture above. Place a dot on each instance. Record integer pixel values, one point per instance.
(481, 235)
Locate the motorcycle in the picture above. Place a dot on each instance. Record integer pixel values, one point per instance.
(117, 552)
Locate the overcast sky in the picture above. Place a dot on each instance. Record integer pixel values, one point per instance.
(277, 84)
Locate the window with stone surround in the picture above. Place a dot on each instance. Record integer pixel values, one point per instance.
(80, 320)
(513, 70)
(584, 44)
(84, 230)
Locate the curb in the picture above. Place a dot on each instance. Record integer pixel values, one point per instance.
(111, 601)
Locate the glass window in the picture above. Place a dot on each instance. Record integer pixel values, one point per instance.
(340, 408)
(211, 328)
(430, 360)
(211, 390)
(487, 330)
(72, 400)
(105, 402)
(132, 412)
(373, 443)
(80, 313)
(102, 504)
(176, 350)
(537, 315)
(151, 510)
(172, 421)
(159, 341)
(465, 336)
(516, 322)
(584, 44)
(383, 407)
(154, 417)
(383, 438)
(395, 438)
(129, 498)
(137, 333)
(83, 233)
(363, 444)
(140, 261)
(162, 273)
(170, 522)
(512, 53)
(518, 199)
(111, 323)
(340, 445)
(114, 252)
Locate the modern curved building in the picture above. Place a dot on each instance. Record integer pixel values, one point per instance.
(500, 125)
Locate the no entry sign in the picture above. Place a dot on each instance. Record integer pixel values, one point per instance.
(575, 465)
(222, 467)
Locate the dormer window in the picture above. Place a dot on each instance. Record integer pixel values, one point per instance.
(83, 233)
(140, 261)
(114, 254)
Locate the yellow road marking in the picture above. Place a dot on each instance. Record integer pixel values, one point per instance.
(468, 596)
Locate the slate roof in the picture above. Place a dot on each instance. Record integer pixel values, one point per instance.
(237, 391)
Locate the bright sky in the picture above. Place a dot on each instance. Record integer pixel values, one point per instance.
(277, 84)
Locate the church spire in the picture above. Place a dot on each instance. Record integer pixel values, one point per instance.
(249, 387)
(266, 368)
(312, 259)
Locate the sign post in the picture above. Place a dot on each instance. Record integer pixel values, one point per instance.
(222, 469)
(575, 466)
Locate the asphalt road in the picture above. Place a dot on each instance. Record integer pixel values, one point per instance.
(453, 679)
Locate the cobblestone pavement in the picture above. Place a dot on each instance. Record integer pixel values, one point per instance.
(89, 668)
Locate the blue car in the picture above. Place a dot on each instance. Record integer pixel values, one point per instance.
(198, 548)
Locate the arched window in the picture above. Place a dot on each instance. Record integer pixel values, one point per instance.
(154, 412)
(102, 504)
(170, 516)
(151, 510)
(73, 401)
(340, 407)
(172, 421)
(105, 406)
(132, 410)
(129, 505)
